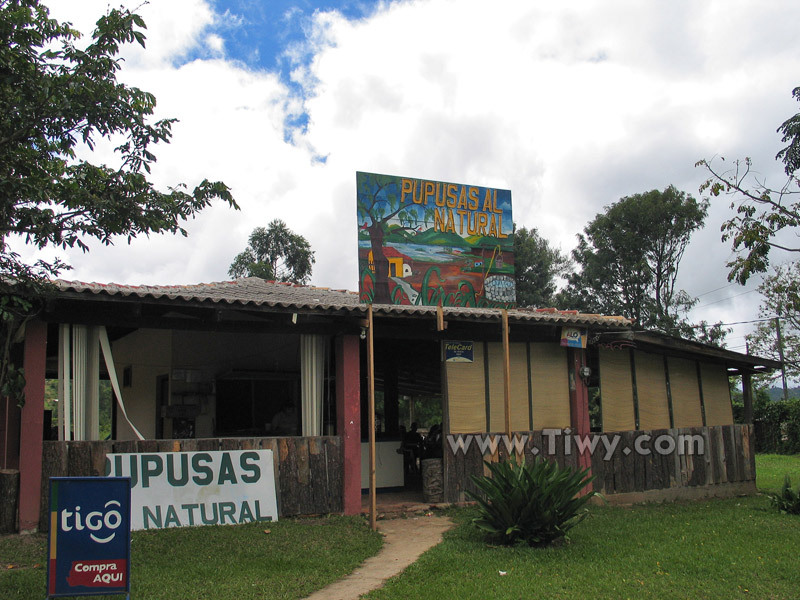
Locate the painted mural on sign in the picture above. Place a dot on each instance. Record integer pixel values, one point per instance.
(431, 242)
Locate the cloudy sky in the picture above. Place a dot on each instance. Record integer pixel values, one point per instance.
(570, 105)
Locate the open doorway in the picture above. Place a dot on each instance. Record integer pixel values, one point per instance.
(408, 414)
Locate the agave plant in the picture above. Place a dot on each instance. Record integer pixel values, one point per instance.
(787, 500)
(532, 504)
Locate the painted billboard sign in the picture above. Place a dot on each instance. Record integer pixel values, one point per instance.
(430, 242)
(179, 489)
(89, 544)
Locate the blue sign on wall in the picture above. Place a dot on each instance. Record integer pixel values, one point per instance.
(89, 546)
(456, 351)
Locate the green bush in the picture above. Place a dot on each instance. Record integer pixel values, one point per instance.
(533, 504)
(777, 426)
(787, 500)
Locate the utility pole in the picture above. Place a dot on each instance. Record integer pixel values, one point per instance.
(780, 355)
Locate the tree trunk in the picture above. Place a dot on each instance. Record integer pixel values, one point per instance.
(381, 294)
(9, 492)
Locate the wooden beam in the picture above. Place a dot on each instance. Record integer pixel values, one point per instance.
(371, 387)
(747, 397)
(441, 324)
(30, 462)
(506, 373)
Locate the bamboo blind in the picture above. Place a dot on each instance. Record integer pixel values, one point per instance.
(550, 385)
(716, 394)
(519, 388)
(651, 391)
(497, 412)
(518, 356)
(466, 394)
(685, 389)
(616, 390)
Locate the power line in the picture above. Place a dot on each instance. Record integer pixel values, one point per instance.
(728, 298)
(716, 290)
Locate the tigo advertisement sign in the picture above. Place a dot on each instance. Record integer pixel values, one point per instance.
(89, 545)
(574, 337)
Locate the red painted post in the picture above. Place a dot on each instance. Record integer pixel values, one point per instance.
(579, 404)
(348, 418)
(32, 425)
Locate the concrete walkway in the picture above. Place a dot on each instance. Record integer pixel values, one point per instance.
(404, 541)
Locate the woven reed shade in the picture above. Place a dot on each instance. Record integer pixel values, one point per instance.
(497, 411)
(685, 390)
(616, 390)
(518, 356)
(550, 384)
(651, 391)
(519, 388)
(466, 394)
(716, 394)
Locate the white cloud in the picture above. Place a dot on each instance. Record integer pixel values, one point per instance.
(569, 105)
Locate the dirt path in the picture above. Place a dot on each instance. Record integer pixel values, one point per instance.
(404, 541)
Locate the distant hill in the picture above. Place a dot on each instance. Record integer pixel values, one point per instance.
(441, 238)
(489, 242)
(776, 393)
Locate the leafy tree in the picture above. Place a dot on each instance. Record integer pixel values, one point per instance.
(780, 298)
(275, 253)
(57, 97)
(762, 212)
(629, 258)
(537, 266)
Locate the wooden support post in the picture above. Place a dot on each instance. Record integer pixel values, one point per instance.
(441, 324)
(348, 420)
(32, 424)
(371, 391)
(747, 397)
(579, 405)
(506, 374)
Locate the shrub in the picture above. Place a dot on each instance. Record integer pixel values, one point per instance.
(532, 504)
(777, 426)
(787, 500)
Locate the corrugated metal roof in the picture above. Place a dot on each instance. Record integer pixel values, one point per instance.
(255, 292)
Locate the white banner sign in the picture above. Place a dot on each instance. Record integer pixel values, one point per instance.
(177, 489)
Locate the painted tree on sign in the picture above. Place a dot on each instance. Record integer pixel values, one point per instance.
(378, 202)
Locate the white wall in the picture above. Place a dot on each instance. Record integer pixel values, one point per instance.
(148, 353)
(192, 360)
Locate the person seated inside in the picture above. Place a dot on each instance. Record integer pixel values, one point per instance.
(411, 448)
(285, 420)
(433, 442)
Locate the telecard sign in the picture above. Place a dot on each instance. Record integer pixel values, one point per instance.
(89, 546)
(434, 243)
(458, 351)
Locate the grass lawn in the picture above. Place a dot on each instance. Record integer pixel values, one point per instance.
(296, 557)
(771, 469)
(736, 547)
